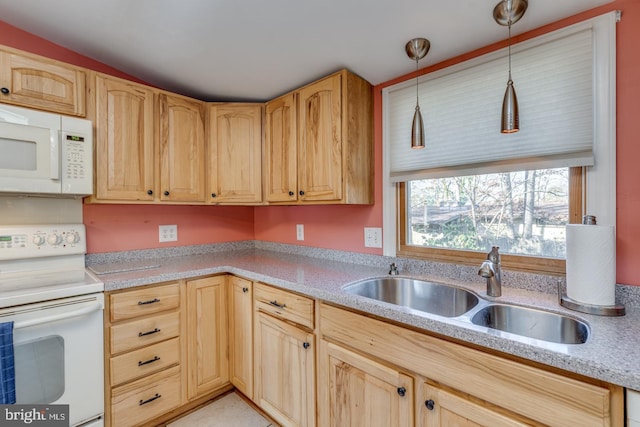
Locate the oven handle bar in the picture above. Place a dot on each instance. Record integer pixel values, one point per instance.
(58, 317)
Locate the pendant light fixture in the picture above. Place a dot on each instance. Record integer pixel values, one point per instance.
(417, 49)
(507, 13)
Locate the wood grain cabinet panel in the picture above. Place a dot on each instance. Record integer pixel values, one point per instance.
(321, 134)
(241, 334)
(37, 82)
(362, 392)
(208, 363)
(235, 153)
(125, 140)
(181, 140)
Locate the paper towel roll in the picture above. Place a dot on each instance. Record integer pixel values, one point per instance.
(591, 264)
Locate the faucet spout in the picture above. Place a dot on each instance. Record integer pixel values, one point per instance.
(490, 269)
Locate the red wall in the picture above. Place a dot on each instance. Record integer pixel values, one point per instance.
(341, 227)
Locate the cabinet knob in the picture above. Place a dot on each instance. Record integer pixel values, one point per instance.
(245, 290)
(301, 193)
(430, 404)
(214, 195)
(150, 192)
(402, 391)
(306, 345)
(5, 91)
(166, 193)
(291, 193)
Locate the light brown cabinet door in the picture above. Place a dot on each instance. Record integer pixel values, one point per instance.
(235, 153)
(359, 392)
(441, 408)
(207, 360)
(42, 84)
(284, 361)
(182, 149)
(125, 140)
(281, 175)
(320, 140)
(241, 334)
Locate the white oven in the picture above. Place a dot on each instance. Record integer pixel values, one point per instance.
(57, 310)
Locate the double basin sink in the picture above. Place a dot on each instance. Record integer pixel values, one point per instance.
(452, 302)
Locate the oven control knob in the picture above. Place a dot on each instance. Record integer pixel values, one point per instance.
(54, 239)
(38, 240)
(72, 238)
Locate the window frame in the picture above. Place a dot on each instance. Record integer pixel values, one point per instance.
(535, 264)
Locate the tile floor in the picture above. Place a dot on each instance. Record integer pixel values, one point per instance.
(229, 410)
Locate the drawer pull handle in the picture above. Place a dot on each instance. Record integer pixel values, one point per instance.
(402, 391)
(151, 301)
(146, 362)
(144, 334)
(430, 404)
(144, 402)
(245, 290)
(275, 304)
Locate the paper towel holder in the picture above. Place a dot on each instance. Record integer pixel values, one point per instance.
(599, 310)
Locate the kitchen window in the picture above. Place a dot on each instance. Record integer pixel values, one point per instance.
(473, 187)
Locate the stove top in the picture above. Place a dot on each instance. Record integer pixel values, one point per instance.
(43, 262)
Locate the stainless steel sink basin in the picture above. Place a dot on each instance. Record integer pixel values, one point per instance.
(532, 323)
(429, 297)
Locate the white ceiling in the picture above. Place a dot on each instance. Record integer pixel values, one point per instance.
(255, 50)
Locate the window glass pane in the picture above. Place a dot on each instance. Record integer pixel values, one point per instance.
(40, 370)
(521, 212)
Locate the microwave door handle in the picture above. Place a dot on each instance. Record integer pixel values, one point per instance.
(58, 317)
(54, 156)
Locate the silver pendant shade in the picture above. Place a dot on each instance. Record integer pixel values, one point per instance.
(507, 13)
(416, 50)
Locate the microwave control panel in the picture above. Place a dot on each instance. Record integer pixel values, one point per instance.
(34, 241)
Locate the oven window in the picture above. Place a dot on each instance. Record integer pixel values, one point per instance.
(39, 368)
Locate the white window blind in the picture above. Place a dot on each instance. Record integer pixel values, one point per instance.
(461, 105)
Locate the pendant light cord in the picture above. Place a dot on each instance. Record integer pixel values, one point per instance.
(417, 103)
(510, 50)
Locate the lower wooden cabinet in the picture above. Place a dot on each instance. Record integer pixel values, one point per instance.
(241, 334)
(208, 363)
(457, 385)
(361, 392)
(285, 371)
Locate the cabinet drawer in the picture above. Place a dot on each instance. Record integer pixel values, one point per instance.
(145, 301)
(143, 332)
(285, 305)
(145, 361)
(146, 399)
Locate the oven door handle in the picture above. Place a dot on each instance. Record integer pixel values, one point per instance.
(58, 317)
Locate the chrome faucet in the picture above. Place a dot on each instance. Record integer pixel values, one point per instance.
(490, 269)
(393, 269)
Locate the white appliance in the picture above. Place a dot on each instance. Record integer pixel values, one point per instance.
(57, 309)
(45, 153)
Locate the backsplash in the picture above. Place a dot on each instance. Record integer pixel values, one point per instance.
(627, 295)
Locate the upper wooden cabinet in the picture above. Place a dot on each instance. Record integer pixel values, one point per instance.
(281, 163)
(235, 153)
(36, 82)
(333, 143)
(124, 140)
(182, 148)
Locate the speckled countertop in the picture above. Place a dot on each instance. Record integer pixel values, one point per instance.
(611, 354)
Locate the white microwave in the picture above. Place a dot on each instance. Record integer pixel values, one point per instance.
(45, 153)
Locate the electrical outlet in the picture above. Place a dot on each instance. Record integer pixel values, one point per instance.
(373, 237)
(300, 231)
(168, 233)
